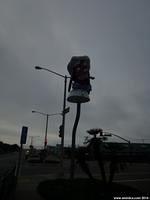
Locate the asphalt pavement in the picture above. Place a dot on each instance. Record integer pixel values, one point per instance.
(135, 175)
(7, 162)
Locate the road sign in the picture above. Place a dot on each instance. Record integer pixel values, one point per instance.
(24, 135)
(67, 110)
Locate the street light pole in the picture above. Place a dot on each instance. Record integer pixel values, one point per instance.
(43, 68)
(109, 134)
(46, 128)
(64, 107)
(128, 141)
(45, 142)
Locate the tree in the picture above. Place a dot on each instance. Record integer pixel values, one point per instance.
(95, 146)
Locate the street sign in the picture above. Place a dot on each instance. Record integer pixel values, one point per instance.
(24, 135)
(67, 110)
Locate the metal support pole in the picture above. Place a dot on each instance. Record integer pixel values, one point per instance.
(19, 162)
(117, 136)
(45, 140)
(63, 122)
(72, 165)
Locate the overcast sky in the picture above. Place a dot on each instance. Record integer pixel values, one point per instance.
(115, 34)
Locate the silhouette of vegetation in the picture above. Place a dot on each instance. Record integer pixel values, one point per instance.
(7, 148)
(92, 188)
(116, 164)
(94, 148)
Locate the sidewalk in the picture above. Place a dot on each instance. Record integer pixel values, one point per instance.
(33, 174)
(26, 188)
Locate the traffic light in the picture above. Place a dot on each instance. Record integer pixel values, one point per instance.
(78, 68)
(60, 130)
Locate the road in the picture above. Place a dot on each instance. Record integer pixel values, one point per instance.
(135, 175)
(7, 162)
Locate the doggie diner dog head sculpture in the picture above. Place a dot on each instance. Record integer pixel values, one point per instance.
(78, 68)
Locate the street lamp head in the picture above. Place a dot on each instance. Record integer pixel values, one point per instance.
(33, 111)
(38, 67)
